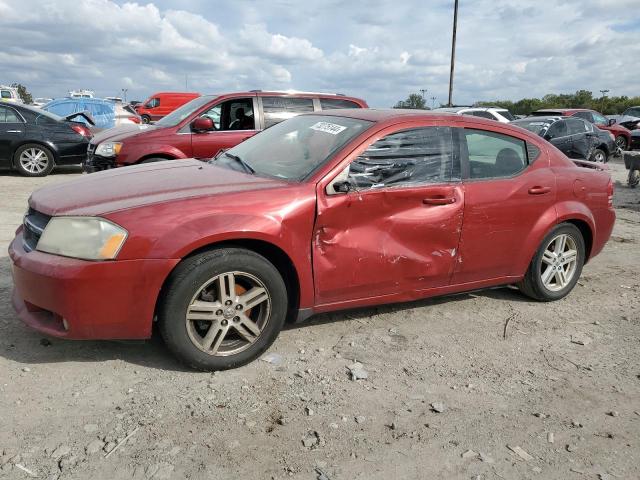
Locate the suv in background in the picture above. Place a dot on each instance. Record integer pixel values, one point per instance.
(162, 104)
(205, 126)
(621, 134)
(491, 113)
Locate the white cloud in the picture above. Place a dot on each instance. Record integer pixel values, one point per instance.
(379, 50)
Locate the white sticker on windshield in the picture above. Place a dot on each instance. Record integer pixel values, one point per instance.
(327, 127)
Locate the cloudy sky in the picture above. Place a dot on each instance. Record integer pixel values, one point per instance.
(379, 50)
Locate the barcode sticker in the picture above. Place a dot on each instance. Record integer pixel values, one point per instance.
(327, 127)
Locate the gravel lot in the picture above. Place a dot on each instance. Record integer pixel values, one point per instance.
(531, 405)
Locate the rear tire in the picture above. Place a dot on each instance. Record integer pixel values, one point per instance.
(599, 156)
(33, 160)
(621, 142)
(556, 266)
(222, 309)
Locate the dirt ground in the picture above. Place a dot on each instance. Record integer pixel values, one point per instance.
(531, 405)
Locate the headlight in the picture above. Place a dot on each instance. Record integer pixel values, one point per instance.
(108, 149)
(88, 238)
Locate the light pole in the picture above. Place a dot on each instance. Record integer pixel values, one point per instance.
(453, 50)
(433, 103)
(124, 94)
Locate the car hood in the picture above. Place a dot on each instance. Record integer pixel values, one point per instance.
(130, 187)
(117, 134)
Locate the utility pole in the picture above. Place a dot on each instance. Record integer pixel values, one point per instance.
(453, 51)
(124, 95)
(433, 103)
(604, 92)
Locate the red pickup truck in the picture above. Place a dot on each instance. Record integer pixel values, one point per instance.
(206, 125)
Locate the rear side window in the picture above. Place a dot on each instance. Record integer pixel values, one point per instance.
(494, 155)
(411, 157)
(5, 94)
(277, 109)
(63, 109)
(8, 116)
(576, 126)
(481, 114)
(337, 103)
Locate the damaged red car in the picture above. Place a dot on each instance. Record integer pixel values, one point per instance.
(325, 211)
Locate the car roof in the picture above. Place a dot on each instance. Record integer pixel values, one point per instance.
(80, 100)
(563, 111)
(540, 118)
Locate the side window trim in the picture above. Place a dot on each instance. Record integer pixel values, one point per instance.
(465, 162)
(455, 157)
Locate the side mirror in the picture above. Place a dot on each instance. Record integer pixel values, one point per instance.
(342, 186)
(611, 121)
(202, 124)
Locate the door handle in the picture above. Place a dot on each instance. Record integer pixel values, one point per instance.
(439, 200)
(539, 190)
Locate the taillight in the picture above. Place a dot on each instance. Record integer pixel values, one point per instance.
(610, 194)
(82, 130)
(134, 119)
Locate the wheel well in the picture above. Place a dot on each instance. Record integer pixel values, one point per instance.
(272, 253)
(14, 159)
(604, 148)
(587, 235)
(166, 156)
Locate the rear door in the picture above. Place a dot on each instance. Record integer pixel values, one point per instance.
(509, 188)
(12, 129)
(582, 138)
(234, 119)
(558, 135)
(397, 229)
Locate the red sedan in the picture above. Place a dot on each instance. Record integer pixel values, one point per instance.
(322, 212)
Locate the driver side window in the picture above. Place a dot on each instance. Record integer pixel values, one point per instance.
(410, 157)
(236, 114)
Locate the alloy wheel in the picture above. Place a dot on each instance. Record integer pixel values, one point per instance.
(599, 157)
(34, 160)
(559, 262)
(228, 313)
(621, 142)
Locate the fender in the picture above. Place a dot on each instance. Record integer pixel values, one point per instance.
(157, 151)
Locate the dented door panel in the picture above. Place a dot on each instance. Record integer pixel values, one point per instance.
(380, 242)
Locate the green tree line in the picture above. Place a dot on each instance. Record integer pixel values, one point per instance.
(580, 99)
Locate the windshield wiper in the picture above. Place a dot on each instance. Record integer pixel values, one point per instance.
(244, 164)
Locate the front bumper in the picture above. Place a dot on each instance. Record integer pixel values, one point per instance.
(95, 163)
(78, 299)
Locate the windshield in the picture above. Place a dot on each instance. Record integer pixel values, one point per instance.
(535, 126)
(294, 148)
(175, 117)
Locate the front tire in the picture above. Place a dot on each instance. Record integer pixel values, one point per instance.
(599, 156)
(33, 160)
(222, 309)
(146, 119)
(556, 266)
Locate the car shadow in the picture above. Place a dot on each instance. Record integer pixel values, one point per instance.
(26, 346)
(506, 293)
(59, 170)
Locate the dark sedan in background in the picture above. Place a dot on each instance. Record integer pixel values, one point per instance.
(575, 137)
(33, 141)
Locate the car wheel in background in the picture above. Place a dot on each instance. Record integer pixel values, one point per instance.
(145, 119)
(634, 178)
(621, 142)
(222, 308)
(599, 156)
(556, 266)
(33, 160)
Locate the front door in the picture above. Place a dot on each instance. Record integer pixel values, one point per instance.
(234, 122)
(11, 131)
(398, 226)
(509, 189)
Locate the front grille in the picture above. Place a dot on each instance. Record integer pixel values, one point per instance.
(34, 223)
